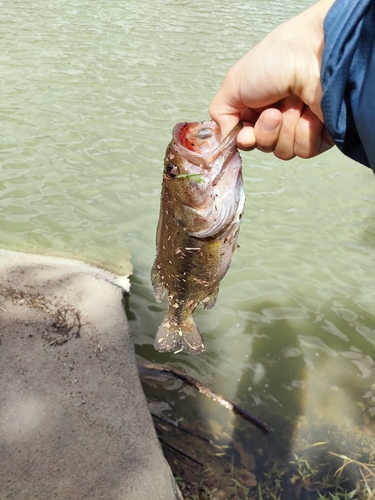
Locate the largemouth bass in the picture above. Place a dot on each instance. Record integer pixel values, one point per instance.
(201, 206)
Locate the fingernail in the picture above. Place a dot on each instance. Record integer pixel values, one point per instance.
(270, 123)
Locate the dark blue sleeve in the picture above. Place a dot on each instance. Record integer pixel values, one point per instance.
(348, 78)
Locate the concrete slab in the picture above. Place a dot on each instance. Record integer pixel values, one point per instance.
(74, 422)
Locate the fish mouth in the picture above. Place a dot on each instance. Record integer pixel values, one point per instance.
(202, 140)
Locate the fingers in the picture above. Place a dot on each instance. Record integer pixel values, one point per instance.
(294, 130)
(289, 128)
(246, 137)
(276, 133)
(291, 109)
(267, 125)
(311, 137)
(267, 129)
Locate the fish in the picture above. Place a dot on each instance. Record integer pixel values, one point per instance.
(201, 206)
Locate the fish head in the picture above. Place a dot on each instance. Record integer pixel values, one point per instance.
(202, 173)
(186, 156)
(196, 149)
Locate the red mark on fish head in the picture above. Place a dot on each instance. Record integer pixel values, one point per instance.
(198, 137)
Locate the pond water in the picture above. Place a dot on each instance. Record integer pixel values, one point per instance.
(90, 94)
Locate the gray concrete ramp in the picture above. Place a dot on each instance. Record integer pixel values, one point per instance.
(74, 422)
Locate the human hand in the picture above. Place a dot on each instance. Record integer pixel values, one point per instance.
(275, 90)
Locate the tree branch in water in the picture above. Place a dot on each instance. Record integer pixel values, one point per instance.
(178, 426)
(152, 369)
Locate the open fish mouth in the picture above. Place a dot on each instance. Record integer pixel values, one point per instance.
(201, 138)
(201, 141)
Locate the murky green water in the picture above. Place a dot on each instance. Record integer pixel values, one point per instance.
(90, 92)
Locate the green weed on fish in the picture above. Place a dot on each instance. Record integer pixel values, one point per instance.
(198, 178)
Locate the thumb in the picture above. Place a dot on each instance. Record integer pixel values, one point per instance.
(223, 114)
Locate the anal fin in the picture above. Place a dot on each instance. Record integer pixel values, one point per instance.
(210, 301)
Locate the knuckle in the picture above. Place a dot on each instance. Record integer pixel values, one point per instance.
(284, 154)
(265, 149)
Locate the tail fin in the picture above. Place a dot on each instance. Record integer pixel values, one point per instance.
(178, 336)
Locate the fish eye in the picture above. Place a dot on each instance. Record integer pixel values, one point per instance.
(205, 133)
(171, 169)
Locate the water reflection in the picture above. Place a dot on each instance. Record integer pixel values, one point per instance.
(274, 381)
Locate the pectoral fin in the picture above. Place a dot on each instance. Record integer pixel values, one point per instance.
(157, 282)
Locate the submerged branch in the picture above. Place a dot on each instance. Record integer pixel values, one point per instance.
(180, 452)
(178, 426)
(152, 369)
